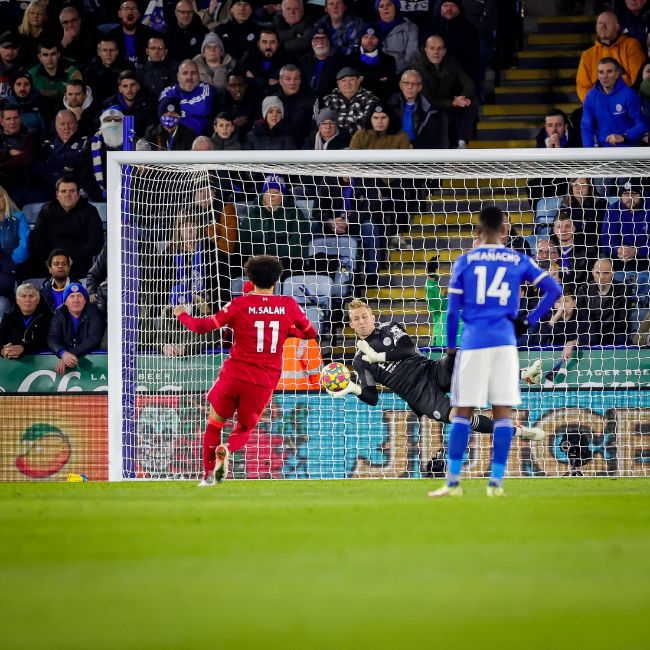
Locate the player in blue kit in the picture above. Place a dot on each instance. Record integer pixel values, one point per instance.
(485, 286)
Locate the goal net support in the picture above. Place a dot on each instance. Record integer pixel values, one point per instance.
(384, 226)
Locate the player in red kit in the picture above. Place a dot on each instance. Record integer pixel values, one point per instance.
(260, 322)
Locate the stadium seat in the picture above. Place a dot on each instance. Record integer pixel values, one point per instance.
(346, 249)
(103, 214)
(31, 211)
(314, 293)
(545, 213)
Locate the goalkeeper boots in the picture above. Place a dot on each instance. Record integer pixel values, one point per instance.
(208, 480)
(221, 468)
(529, 433)
(447, 491)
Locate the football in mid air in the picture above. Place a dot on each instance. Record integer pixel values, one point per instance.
(335, 377)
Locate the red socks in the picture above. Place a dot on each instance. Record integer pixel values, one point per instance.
(239, 437)
(211, 440)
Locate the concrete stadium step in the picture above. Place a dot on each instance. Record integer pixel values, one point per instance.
(454, 219)
(566, 24)
(442, 231)
(500, 144)
(504, 129)
(424, 254)
(567, 40)
(518, 111)
(547, 93)
(538, 75)
(549, 58)
(397, 293)
(482, 184)
(422, 331)
(475, 205)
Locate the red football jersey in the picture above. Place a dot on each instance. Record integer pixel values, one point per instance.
(260, 324)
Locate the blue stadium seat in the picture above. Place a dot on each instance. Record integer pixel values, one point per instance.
(314, 293)
(31, 211)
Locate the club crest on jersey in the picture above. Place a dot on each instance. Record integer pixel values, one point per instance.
(387, 341)
(266, 309)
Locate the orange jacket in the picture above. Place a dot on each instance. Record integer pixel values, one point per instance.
(301, 365)
(626, 50)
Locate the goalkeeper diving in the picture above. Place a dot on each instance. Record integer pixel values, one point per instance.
(387, 355)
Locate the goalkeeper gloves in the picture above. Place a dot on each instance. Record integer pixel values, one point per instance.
(350, 388)
(532, 374)
(521, 325)
(370, 355)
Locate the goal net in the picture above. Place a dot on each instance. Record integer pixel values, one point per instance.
(385, 227)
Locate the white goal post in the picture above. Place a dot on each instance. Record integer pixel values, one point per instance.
(595, 408)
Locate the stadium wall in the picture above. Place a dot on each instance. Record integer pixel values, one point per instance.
(54, 426)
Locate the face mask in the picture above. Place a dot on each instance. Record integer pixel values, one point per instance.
(169, 121)
(112, 134)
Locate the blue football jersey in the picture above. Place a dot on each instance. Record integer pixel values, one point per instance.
(487, 280)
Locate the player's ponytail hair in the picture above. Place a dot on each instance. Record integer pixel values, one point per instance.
(357, 303)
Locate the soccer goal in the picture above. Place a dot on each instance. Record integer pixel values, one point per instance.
(384, 226)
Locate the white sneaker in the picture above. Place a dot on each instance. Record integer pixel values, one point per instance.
(529, 433)
(495, 491)
(221, 468)
(208, 480)
(446, 491)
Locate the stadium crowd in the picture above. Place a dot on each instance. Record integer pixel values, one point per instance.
(230, 75)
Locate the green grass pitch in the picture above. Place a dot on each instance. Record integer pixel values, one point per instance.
(341, 564)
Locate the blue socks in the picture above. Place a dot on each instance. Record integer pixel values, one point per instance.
(503, 432)
(458, 440)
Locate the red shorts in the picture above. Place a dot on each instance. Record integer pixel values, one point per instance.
(228, 395)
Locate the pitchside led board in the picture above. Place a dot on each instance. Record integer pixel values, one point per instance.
(47, 436)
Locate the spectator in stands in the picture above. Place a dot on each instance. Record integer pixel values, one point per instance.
(298, 102)
(275, 227)
(9, 60)
(587, 210)
(110, 137)
(186, 32)
(214, 64)
(71, 222)
(302, 362)
(271, 132)
(642, 335)
(320, 66)
(131, 35)
(198, 99)
(131, 100)
(101, 75)
(97, 282)
(76, 329)
(23, 330)
(426, 127)
(78, 38)
(14, 249)
(603, 306)
(574, 257)
(633, 18)
(460, 36)
(58, 265)
(547, 257)
(243, 102)
(33, 29)
(62, 154)
(240, 31)
(399, 36)
(610, 43)
(512, 238)
(226, 135)
(262, 64)
(78, 99)
(381, 130)
(626, 238)
(612, 111)
(448, 87)
(169, 134)
(28, 101)
(376, 67)
(294, 28)
(50, 76)
(202, 143)
(18, 153)
(343, 27)
(557, 132)
(328, 135)
(562, 327)
(159, 70)
(350, 101)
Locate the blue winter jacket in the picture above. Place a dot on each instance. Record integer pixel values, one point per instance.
(198, 106)
(623, 227)
(619, 113)
(14, 237)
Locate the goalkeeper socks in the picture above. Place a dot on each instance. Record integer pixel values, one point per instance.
(503, 432)
(211, 440)
(239, 437)
(482, 424)
(458, 440)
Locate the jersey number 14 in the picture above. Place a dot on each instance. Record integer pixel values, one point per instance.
(497, 289)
